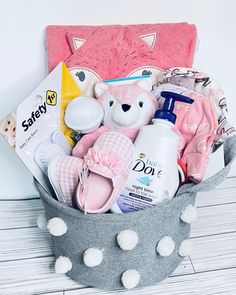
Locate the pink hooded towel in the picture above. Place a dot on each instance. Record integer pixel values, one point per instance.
(96, 53)
(173, 44)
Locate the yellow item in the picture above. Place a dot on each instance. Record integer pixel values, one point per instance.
(69, 91)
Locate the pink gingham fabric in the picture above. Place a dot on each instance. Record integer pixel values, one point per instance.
(111, 156)
(67, 171)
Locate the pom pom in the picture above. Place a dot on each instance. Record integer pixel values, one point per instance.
(130, 278)
(166, 246)
(57, 227)
(93, 257)
(185, 248)
(42, 221)
(63, 264)
(127, 239)
(189, 214)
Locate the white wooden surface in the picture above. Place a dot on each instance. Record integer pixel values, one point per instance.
(26, 260)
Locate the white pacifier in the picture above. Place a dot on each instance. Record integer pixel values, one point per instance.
(83, 114)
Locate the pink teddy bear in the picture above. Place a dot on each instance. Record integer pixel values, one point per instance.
(127, 107)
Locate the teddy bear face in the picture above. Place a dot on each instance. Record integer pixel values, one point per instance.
(8, 126)
(126, 106)
(127, 113)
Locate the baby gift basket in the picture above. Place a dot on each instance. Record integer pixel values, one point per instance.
(139, 248)
(107, 104)
(91, 246)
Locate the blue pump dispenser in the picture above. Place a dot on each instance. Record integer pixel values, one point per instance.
(167, 110)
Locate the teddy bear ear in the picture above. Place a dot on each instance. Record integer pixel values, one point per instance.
(100, 88)
(145, 83)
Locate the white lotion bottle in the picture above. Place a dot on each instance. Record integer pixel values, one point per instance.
(154, 176)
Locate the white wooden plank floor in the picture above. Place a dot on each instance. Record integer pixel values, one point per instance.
(26, 259)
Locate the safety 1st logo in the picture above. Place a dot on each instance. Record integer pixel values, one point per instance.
(51, 98)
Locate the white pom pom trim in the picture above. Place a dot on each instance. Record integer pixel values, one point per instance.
(185, 248)
(93, 257)
(130, 278)
(57, 227)
(42, 221)
(166, 246)
(189, 214)
(127, 239)
(63, 264)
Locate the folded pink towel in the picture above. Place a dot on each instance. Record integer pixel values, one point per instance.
(172, 44)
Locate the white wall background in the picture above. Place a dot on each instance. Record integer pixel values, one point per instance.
(23, 55)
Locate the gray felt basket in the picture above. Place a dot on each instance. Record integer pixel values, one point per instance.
(152, 224)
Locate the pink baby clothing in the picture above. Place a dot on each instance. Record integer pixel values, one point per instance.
(197, 125)
(207, 86)
(173, 44)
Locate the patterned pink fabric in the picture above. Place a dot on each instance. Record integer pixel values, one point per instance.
(173, 45)
(110, 157)
(67, 171)
(108, 161)
(203, 84)
(87, 141)
(197, 124)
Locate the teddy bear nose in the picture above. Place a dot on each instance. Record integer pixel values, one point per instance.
(125, 107)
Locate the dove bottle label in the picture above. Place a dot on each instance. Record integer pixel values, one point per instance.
(154, 175)
(145, 185)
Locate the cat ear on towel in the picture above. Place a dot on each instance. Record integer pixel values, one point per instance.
(150, 39)
(75, 41)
